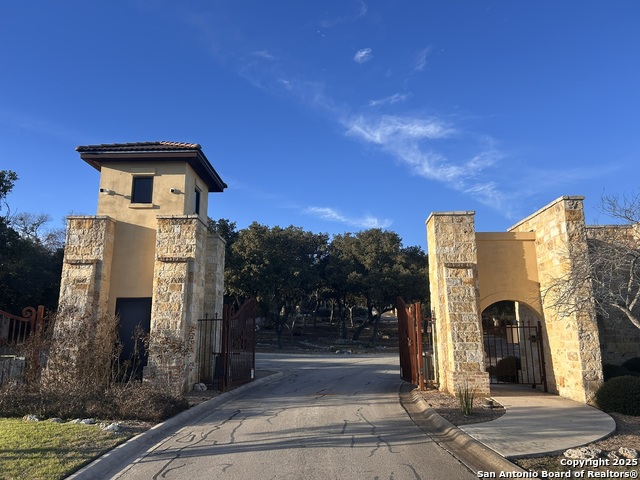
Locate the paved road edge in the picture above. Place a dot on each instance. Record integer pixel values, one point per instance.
(131, 451)
(474, 455)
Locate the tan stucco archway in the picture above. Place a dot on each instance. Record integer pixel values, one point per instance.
(469, 271)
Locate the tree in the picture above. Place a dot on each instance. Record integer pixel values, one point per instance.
(279, 266)
(374, 264)
(7, 181)
(339, 271)
(608, 273)
(30, 267)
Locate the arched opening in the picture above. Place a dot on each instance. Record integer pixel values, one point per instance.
(512, 337)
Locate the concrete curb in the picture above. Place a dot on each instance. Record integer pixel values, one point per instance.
(132, 451)
(474, 455)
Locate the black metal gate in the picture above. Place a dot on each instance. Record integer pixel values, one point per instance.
(514, 354)
(227, 347)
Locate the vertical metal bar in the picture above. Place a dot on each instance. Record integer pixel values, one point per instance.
(543, 372)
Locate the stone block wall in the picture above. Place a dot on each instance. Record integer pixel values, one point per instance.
(214, 276)
(574, 367)
(459, 349)
(178, 300)
(86, 268)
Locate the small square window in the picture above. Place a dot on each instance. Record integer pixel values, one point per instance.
(142, 191)
(197, 202)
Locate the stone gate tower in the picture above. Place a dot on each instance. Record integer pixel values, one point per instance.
(146, 256)
(469, 271)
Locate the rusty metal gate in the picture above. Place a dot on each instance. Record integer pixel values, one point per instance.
(410, 343)
(514, 354)
(21, 340)
(227, 347)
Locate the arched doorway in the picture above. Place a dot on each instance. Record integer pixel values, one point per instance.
(512, 338)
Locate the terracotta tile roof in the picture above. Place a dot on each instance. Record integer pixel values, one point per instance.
(139, 146)
(97, 155)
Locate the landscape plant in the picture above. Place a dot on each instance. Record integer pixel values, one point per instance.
(466, 396)
(620, 395)
(82, 375)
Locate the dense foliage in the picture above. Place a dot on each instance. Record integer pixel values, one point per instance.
(620, 395)
(292, 272)
(30, 262)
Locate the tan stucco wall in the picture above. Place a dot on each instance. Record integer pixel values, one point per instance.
(135, 230)
(160, 250)
(507, 269)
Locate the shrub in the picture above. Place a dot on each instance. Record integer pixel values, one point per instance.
(507, 369)
(133, 401)
(633, 364)
(620, 395)
(82, 373)
(145, 402)
(610, 371)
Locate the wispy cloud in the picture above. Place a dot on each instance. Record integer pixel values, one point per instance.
(387, 130)
(425, 145)
(390, 100)
(264, 54)
(421, 59)
(363, 55)
(332, 215)
(360, 12)
(415, 142)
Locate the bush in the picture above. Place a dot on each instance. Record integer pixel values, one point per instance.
(620, 395)
(82, 373)
(134, 401)
(633, 364)
(507, 369)
(610, 371)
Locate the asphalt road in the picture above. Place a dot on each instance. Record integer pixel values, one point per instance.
(329, 417)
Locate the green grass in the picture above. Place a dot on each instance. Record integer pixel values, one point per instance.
(46, 450)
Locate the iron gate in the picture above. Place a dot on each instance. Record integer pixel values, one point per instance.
(227, 347)
(514, 354)
(21, 341)
(410, 343)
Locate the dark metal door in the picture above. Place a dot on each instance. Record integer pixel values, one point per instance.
(135, 325)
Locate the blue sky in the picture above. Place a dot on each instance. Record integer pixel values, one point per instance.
(334, 116)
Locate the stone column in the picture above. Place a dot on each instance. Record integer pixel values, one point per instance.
(214, 276)
(453, 279)
(178, 300)
(572, 348)
(83, 316)
(86, 270)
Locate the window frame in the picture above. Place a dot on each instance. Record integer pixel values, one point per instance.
(197, 200)
(136, 193)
